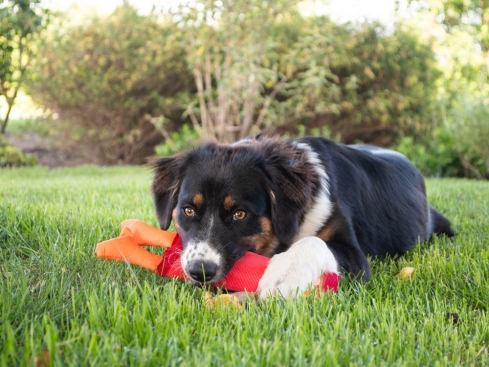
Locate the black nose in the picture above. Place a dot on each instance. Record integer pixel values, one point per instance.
(202, 271)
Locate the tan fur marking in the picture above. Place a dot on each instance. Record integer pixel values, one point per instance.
(263, 241)
(174, 218)
(198, 200)
(229, 202)
(327, 233)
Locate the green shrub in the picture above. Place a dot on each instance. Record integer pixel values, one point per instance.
(11, 156)
(365, 83)
(105, 76)
(184, 139)
(275, 69)
(458, 148)
(387, 85)
(436, 158)
(107, 79)
(468, 123)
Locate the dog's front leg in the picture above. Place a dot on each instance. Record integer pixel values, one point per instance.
(293, 271)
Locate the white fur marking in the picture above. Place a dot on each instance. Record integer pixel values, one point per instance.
(199, 251)
(372, 149)
(322, 206)
(386, 152)
(292, 272)
(211, 222)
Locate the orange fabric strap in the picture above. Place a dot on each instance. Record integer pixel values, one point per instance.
(136, 233)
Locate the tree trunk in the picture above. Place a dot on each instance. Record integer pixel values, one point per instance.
(4, 124)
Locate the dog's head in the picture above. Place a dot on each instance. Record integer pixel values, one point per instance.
(225, 200)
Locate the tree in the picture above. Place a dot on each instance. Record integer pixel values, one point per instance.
(21, 22)
(465, 15)
(263, 66)
(231, 54)
(230, 69)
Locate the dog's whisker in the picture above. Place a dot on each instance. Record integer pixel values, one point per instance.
(220, 250)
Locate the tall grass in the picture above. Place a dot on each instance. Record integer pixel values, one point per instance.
(60, 305)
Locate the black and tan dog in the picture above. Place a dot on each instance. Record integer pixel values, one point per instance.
(311, 204)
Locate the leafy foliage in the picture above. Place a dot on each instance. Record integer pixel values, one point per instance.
(469, 126)
(230, 69)
(11, 156)
(471, 16)
(271, 67)
(21, 22)
(383, 84)
(178, 141)
(106, 76)
(243, 65)
(456, 144)
(456, 148)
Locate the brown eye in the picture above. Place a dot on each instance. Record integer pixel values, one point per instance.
(239, 215)
(189, 212)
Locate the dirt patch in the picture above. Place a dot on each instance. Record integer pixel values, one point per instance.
(50, 151)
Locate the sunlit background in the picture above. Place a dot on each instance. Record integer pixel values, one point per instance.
(339, 10)
(342, 10)
(113, 82)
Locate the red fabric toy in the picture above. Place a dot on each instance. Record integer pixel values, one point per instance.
(243, 277)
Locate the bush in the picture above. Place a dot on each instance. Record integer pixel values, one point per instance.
(109, 79)
(184, 139)
(11, 156)
(363, 82)
(104, 77)
(385, 81)
(458, 148)
(468, 122)
(436, 158)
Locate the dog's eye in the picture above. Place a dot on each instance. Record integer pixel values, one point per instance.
(189, 212)
(239, 215)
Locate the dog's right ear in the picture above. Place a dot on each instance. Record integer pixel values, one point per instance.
(168, 172)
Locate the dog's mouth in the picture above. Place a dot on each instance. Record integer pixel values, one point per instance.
(216, 279)
(198, 273)
(202, 264)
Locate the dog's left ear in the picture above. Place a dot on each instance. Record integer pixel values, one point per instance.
(168, 172)
(291, 182)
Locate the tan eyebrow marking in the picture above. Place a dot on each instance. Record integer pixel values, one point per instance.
(229, 202)
(198, 200)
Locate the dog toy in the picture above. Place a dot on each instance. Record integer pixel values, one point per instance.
(243, 277)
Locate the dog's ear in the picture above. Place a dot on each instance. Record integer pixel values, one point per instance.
(291, 183)
(168, 173)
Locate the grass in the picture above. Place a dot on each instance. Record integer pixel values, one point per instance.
(61, 303)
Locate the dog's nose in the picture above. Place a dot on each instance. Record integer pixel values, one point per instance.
(202, 271)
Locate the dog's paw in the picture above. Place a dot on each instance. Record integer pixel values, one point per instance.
(292, 272)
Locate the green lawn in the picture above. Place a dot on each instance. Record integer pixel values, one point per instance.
(57, 299)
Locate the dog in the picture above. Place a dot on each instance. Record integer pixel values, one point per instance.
(311, 204)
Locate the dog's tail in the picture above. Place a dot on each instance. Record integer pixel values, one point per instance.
(439, 224)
